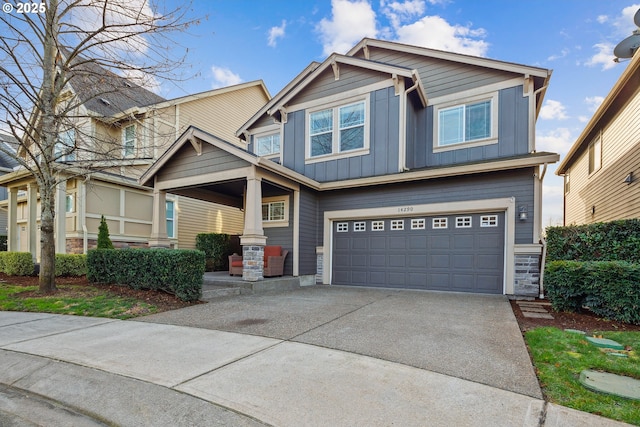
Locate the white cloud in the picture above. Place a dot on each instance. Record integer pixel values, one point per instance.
(563, 53)
(436, 33)
(593, 102)
(556, 141)
(224, 77)
(553, 110)
(276, 33)
(603, 56)
(602, 19)
(398, 12)
(350, 22)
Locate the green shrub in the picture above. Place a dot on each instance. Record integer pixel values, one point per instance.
(17, 263)
(605, 241)
(610, 289)
(104, 241)
(176, 271)
(216, 248)
(71, 265)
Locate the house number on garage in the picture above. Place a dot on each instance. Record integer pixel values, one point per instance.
(405, 209)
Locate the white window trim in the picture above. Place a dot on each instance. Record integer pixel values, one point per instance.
(377, 223)
(397, 224)
(266, 131)
(359, 226)
(342, 227)
(487, 221)
(335, 154)
(597, 141)
(440, 223)
(174, 219)
(464, 222)
(124, 141)
(493, 139)
(418, 223)
(283, 223)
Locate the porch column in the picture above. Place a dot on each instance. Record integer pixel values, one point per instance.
(61, 218)
(253, 239)
(12, 221)
(159, 238)
(32, 219)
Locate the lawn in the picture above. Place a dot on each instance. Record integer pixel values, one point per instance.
(560, 356)
(74, 300)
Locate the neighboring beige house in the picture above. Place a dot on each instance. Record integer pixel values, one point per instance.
(602, 169)
(143, 125)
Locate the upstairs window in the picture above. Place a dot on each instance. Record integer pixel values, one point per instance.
(129, 141)
(65, 146)
(266, 145)
(595, 155)
(336, 130)
(471, 122)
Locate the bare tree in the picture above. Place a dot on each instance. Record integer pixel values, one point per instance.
(55, 45)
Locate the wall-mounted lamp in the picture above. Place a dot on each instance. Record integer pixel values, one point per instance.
(629, 179)
(522, 213)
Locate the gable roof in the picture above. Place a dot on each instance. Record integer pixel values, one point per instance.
(103, 92)
(10, 143)
(615, 101)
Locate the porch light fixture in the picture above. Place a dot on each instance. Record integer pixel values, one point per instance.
(522, 213)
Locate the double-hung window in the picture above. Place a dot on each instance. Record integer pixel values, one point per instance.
(339, 129)
(171, 219)
(266, 145)
(595, 155)
(65, 146)
(470, 122)
(273, 211)
(129, 141)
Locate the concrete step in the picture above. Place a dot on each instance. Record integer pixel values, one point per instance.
(210, 292)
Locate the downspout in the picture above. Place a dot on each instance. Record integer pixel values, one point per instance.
(83, 207)
(543, 258)
(403, 124)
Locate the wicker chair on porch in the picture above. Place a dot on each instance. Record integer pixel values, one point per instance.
(274, 258)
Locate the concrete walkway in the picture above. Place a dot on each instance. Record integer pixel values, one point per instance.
(317, 356)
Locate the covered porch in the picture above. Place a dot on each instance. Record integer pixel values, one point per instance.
(201, 166)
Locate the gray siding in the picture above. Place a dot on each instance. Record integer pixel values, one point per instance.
(186, 162)
(326, 84)
(513, 135)
(517, 183)
(441, 77)
(283, 236)
(383, 154)
(308, 232)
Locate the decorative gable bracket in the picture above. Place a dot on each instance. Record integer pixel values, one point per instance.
(336, 70)
(197, 145)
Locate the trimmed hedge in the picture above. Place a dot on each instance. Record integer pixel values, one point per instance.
(610, 289)
(71, 265)
(216, 248)
(176, 271)
(605, 241)
(16, 263)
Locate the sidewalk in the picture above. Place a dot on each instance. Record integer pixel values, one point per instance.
(133, 373)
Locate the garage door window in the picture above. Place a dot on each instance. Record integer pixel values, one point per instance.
(489, 221)
(418, 224)
(463, 222)
(377, 225)
(360, 226)
(343, 227)
(397, 224)
(439, 223)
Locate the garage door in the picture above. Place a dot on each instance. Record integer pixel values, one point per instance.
(462, 253)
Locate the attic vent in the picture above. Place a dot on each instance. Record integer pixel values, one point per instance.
(104, 101)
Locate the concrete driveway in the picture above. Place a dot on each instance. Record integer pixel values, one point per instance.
(468, 336)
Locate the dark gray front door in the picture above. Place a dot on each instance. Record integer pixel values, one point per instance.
(462, 253)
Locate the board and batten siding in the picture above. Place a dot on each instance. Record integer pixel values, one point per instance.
(605, 189)
(441, 77)
(186, 163)
(382, 158)
(516, 183)
(196, 216)
(308, 234)
(513, 135)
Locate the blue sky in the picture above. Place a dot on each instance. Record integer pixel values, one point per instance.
(274, 40)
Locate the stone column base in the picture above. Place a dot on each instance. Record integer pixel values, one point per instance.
(252, 263)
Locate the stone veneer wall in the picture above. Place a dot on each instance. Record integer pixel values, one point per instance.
(252, 263)
(75, 245)
(527, 275)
